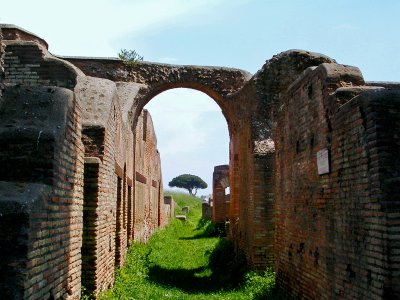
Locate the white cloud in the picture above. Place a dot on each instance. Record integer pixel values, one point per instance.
(178, 116)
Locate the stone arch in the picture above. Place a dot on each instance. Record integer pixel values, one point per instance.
(151, 79)
(146, 94)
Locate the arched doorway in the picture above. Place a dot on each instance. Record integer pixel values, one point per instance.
(192, 134)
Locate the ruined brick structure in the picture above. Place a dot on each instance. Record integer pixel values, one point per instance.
(206, 209)
(341, 223)
(313, 170)
(220, 208)
(81, 182)
(169, 206)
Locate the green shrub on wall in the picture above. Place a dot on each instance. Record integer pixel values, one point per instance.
(129, 58)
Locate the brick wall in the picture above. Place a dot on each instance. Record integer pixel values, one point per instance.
(169, 206)
(2, 46)
(46, 160)
(220, 208)
(28, 63)
(75, 150)
(149, 204)
(127, 207)
(332, 235)
(252, 210)
(206, 210)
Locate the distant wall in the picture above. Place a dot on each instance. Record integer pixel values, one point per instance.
(149, 194)
(220, 208)
(206, 211)
(169, 208)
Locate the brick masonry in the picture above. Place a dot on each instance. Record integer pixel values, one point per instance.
(82, 174)
(220, 208)
(335, 226)
(2, 46)
(65, 143)
(48, 153)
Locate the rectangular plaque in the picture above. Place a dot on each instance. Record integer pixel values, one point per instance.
(323, 161)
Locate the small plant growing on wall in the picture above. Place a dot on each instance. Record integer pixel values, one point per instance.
(129, 58)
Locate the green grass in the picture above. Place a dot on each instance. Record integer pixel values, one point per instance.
(186, 260)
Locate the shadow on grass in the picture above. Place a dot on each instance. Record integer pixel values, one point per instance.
(209, 229)
(227, 272)
(185, 280)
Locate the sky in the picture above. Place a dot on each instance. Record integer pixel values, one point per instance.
(192, 133)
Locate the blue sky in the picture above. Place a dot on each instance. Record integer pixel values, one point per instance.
(192, 136)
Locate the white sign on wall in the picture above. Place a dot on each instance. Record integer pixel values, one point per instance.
(323, 161)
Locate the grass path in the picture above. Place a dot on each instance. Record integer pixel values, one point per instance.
(184, 261)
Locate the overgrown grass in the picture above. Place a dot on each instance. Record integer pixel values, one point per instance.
(187, 260)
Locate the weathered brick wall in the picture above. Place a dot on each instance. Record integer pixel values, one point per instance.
(149, 202)
(241, 203)
(29, 64)
(220, 207)
(18, 201)
(252, 153)
(126, 209)
(84, 224)
(2, 46)
(40, 145)
(332, 237)
(169, 207)
(206, 210)
(102, 213)
(15, 33)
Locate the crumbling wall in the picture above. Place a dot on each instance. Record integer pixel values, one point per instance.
(103, 236)
(220, 209)
(42, 163)
(66, 142)
(169, 207)
(2, 46)
(206, 210)
(149, 197)
(252, 153)
(113, 214)
(336, 159)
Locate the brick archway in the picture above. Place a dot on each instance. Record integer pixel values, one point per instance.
(147, 80)
(147, 94)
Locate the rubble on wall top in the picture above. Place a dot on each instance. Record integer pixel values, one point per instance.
(13, 32)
